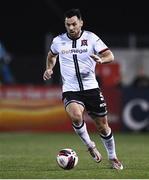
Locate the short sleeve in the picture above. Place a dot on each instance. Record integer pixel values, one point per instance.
(54, 47)
(99, 45)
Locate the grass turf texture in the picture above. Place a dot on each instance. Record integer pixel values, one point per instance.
(33, 156)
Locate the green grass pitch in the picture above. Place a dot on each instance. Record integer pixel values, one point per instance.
(33, 156)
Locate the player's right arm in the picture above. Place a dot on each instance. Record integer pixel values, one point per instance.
(50, 63)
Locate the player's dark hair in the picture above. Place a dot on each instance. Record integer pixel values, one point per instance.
(73, 12)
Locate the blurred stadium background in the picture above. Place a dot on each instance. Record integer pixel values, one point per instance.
(28, 104)
(27, 28)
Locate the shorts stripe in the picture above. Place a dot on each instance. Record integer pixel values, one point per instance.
(71, 101)
(95, 114)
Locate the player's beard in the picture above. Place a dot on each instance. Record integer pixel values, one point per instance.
(74, 34)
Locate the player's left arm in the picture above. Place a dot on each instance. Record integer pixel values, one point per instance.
(103, 57)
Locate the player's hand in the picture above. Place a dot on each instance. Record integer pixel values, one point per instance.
(47, 74)
(96, 58)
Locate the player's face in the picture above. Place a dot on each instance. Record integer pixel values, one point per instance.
(73, 26)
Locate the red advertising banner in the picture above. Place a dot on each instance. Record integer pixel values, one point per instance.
(40, 108)
(113, 97)
(109, 74)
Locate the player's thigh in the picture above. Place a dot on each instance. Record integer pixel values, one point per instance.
(75, 110)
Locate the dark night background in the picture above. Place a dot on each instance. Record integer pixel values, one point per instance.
(24, 25)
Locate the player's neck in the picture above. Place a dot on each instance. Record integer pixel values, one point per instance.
(77, 36)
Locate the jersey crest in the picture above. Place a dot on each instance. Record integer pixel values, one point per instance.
(84, 42)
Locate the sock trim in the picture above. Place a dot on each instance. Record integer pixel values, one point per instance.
(107, 137)
(78, 127)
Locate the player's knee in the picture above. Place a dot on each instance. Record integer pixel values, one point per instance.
(105, 131)
(76, 116)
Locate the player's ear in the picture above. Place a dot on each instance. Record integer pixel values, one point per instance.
(81, 21)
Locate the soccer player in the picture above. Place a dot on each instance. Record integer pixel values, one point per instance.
(79, 51)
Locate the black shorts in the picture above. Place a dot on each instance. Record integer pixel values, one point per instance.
(92, 100)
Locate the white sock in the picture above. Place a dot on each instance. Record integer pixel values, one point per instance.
(109, 144)
(82, 132)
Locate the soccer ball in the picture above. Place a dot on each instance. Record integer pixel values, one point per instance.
(67, 158)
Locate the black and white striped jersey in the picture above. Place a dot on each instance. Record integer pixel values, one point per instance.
(76, 66)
